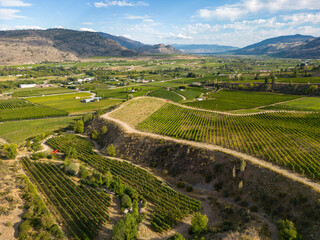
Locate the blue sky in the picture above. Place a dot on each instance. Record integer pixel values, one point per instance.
(232, 22)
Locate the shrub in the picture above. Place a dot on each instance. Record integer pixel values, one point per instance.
(199, 223)
(10, 150)
(287, 230)
(189, 189)
(111, 150)
(104, 129)
(126, 201)
(71, 169)
(78, 126)
(94, 134)
(177, 236)
(181, 185)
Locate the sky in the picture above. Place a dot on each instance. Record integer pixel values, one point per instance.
(231, 22)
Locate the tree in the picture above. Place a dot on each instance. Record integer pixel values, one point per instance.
(111, 150)
(125, 229)
(104, 129)
(199, 223)
(287, 230)
(177, 236)
(10, 150)
(94, 134)
(312, 90)
(71, 169)
(126, 201)
(78, 126)
(84, 173)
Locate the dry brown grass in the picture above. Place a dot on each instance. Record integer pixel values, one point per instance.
(137, 110)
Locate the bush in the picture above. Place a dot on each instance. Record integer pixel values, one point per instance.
(189, 189)
(177, 236)
(47, 221)
(71, 169)
(84, 173)
(126, 201)
(78, 126)
(199, 223)
(181, 185)
(287, 230)
(94, 134)
(111, 150)
(10, 150)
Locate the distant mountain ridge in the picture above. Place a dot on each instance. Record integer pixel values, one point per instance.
(34, 46)
(203, 48)
(282, 46)
(141, 47)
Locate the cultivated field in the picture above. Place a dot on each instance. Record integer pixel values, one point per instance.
(81, 210)
(18, 109)
(227, 100)
(22, 92)
(71, 105)
(18, 131)
(169, 206)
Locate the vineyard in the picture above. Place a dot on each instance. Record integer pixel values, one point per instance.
(18, 109)
(163, 93)
(169, 206)
(287, 139)
(81, 210)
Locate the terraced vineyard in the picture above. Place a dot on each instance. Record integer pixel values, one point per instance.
(169, 206)
(287, 139)
(81, 210)
(17, 109)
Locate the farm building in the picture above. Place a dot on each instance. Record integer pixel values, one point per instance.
(94, 99)
(27, 85)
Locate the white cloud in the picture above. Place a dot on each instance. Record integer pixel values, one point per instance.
(127, 36)
(300, 18)
(131, 17)
(9, 14)
(59, 27)
(245, 7)
(4, 28)
(178, 36)
(87, 30)
(87, 23)
(14, 3)
(122, 3)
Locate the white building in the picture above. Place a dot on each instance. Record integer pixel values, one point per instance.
(27, 85)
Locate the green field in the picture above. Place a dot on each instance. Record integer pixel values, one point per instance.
(302, 104)
(18, 109)
(291, 140)
(30, 92)
(163, 93)
(18, 131)
(68, 103)
(226, 100)
(190, 93)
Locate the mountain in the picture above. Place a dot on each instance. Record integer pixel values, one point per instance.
(310, 49)
(273, 46)
(141, 47)
(31, 46)
(34, 46)
(203, 48)
(123, 41)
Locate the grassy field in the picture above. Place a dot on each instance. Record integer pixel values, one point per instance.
(190, 93)
(18, 131)
(68, 103)
(22, 92)
(134, 113)
(165, 94)
(226, 100)
(302, 104)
